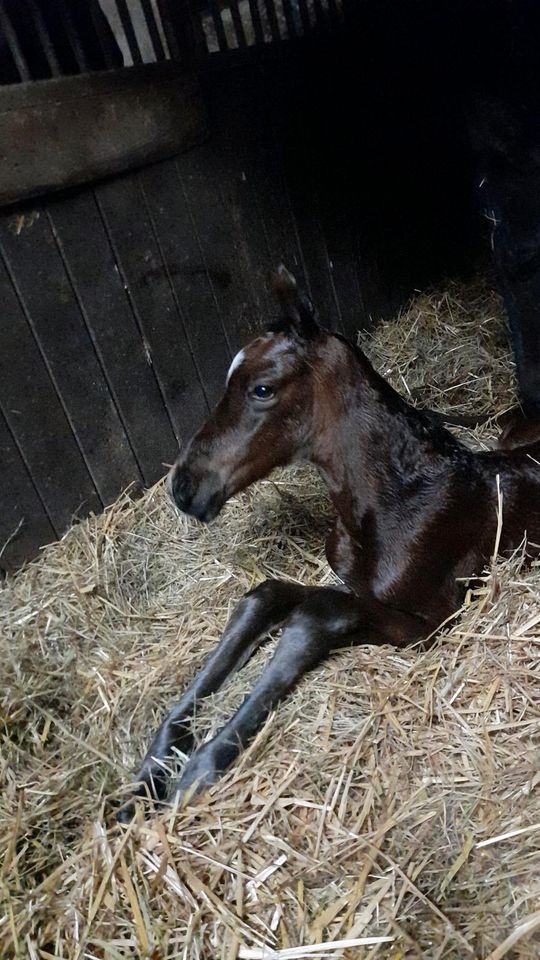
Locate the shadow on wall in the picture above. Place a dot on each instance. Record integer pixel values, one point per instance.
(393, 114)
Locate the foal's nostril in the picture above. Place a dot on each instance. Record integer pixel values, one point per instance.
(178, 487)
(200, 494)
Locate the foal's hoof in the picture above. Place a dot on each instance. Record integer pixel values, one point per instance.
(199, 774)
(127, 811)
(152, 783)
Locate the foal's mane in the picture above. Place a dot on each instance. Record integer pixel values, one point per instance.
(298, 323)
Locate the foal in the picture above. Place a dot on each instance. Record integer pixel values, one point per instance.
(416, 513)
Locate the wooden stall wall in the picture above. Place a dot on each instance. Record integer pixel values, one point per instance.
(123, 302)
(122, 306)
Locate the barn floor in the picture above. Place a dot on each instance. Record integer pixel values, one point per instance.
(394, 796)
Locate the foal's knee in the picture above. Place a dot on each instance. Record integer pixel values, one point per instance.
(272, 595)
(324, 621)
(335, 610)
(264, 591)
(258, 602)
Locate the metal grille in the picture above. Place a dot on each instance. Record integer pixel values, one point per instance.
(236, 24)
(40, 39)
(141, 28)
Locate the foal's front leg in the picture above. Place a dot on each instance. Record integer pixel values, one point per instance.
(258, 612)
(326, 620)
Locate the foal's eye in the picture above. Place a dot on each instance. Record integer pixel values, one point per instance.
(262, 392)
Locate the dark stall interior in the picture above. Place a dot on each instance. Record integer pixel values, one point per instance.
(158, 159)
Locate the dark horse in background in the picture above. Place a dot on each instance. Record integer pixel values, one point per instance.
(416, 515)
(422, 122)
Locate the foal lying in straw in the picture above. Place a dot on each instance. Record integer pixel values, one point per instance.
(417, 514)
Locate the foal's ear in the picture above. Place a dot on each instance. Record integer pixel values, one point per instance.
(297, 308)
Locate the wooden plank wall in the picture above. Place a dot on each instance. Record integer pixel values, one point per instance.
(124, 303)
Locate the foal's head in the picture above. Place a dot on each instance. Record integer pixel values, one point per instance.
(265, 418)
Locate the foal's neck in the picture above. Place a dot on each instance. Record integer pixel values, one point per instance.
(373, 450)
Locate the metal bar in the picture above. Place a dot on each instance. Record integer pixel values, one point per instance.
(153, 30)
(218, 25)
(320, 14)
(334, 12)
(104, 37)
(129, 30)
(72, 35)
(304, 15)
(14, 48)
(184, 31)
(289, 18)
(44, 38)
(237, 23)
(174, 28)
(272, 19)
(256, 21)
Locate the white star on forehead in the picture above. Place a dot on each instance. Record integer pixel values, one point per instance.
(239, 358)
(276, 346)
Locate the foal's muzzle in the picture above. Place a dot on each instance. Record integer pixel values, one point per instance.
(199, 496)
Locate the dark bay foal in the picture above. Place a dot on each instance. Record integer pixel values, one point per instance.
(416, 513)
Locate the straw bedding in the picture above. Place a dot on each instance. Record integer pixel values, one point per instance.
(389, 808)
